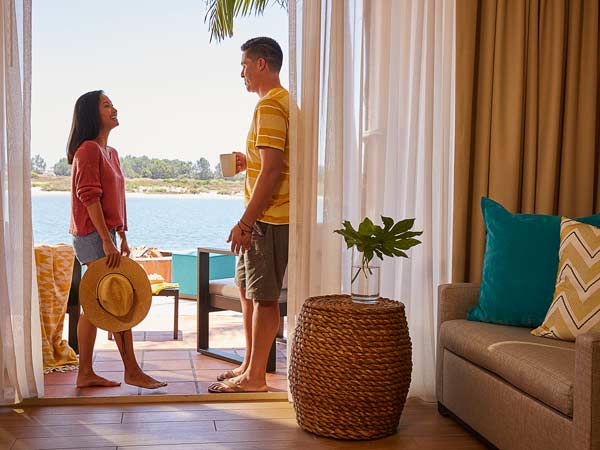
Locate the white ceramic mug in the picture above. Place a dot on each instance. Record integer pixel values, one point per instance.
(227, 164)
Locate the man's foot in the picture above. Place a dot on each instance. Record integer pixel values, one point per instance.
(93, 380)
(237, 384)
(231, 374)
(140, 379)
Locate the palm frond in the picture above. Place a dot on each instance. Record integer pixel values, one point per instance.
(220, 14)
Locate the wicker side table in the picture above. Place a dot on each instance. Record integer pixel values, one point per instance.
(350, 367)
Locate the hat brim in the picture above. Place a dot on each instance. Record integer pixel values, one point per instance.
(142, 294)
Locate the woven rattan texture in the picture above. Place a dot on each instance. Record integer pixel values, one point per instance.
(350, 367)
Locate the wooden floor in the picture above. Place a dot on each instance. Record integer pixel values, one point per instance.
(209, 426)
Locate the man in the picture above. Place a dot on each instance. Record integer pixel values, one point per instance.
(261, 235)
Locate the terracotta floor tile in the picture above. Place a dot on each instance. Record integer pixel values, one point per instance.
(162, 355)
(203, 386)
(108, 366)
(114, 355)
(56, 378)
(172, 375)
(174, 364)
(60, 391)
(277, 385)
(208, 374)
(206, 362)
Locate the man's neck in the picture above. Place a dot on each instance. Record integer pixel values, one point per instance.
(268, 85)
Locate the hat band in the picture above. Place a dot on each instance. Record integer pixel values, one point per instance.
(123, 318)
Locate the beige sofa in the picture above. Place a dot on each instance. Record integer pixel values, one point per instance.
(516, 390)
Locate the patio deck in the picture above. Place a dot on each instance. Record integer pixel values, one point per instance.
(176, 362)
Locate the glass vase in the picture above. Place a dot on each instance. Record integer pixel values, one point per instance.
(365, 279)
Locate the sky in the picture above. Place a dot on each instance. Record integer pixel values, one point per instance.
(178, 96)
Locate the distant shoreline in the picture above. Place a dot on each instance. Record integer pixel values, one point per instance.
(212, 194)
(217, 188)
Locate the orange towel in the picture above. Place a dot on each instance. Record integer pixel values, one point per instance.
(54, 272)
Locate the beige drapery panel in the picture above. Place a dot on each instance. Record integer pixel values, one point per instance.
(527, 114)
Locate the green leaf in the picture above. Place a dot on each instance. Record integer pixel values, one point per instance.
(366, 227)
(402, 226)
(220, 14)
(388, 222)
(407, 243)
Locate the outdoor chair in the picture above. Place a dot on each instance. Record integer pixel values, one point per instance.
(223, 295)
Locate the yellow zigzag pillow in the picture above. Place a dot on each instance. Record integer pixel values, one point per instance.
(575, 308)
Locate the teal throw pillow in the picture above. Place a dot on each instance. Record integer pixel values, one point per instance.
(519, 266)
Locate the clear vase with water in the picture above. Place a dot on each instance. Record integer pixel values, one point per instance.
(365, 278)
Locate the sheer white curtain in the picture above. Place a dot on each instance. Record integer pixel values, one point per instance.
(374, 135)
(21, 374)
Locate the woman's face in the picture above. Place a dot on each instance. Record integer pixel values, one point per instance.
(108, 113)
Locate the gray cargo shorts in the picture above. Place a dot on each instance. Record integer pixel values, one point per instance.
(261, 268)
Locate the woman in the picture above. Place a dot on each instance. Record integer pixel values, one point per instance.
(97, 214)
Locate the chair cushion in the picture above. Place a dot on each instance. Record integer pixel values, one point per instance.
(227, 288)
(575, 308)
(542, 368)
(519, 266)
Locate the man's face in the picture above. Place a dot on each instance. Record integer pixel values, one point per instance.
(251, 72)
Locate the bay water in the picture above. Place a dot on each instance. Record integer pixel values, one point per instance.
(166, 221)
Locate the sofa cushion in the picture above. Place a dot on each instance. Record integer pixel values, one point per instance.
(575, 308)
(519, 266)
(542, 368)
(227, 288)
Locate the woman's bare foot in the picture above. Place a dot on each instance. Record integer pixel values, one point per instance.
(140, 379)
(91, 379)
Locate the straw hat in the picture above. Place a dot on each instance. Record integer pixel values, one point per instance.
(117, 298)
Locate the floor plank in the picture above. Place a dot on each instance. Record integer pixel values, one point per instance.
(214, 426)
(141, 408)
(191, 416)
(48, 419)
(106, 429)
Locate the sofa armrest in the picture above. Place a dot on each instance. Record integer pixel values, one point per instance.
(455, 300)
(586, 398)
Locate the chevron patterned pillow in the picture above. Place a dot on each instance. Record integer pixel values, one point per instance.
(575, 308)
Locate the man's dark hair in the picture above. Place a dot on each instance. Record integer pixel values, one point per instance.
(86, 122)
(266, 48)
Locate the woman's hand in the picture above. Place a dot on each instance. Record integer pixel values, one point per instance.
(124, 246)
(240, 162)
(113, 256)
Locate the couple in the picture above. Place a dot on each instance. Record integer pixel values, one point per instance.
(98, 214)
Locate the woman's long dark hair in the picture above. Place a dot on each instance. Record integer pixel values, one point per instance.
(86, 122)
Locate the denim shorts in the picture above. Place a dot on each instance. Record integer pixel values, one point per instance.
(89, 248)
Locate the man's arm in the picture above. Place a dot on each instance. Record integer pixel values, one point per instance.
(268, 179)
(272, 164)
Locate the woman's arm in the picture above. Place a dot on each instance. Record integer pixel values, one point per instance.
(124, 246)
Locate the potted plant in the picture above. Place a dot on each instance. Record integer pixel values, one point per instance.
(370, 243)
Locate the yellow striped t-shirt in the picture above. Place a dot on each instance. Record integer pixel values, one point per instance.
(270, 129)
